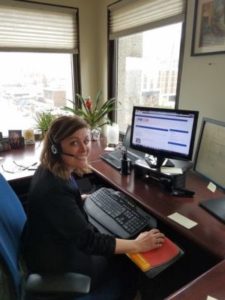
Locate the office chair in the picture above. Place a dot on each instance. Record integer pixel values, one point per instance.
(33, 286)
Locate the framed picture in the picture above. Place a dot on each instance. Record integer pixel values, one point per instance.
(4, 145)
(28, 135)
(16, 140)
(209, 27)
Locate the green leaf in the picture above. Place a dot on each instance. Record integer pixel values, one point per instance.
(98, 115)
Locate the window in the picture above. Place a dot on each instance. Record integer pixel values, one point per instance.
(38, 49)
(147, 70)
(146, 60)
(31, 83)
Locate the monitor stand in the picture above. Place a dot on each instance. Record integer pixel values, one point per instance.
(160, 162)
(168, 163)
(174, 183)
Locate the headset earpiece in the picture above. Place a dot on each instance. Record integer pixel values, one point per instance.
(54, 149)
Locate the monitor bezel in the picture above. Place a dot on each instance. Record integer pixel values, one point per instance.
(162, 154)
(206, 120)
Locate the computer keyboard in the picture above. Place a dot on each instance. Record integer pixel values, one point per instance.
(117, 213)
(114, 158)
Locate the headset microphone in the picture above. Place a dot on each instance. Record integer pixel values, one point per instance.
(68, 154)
(56, 149)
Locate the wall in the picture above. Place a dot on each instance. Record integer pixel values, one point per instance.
(88, 11)
(202, 81)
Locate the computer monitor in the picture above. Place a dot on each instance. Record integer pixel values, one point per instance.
(210, 153)
(164, 133)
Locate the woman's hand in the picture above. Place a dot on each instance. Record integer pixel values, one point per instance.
(149, 240)
(145, 241)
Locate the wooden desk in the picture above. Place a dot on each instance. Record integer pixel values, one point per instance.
(20, 178)
(149, 194)
(31, 154)
(25, 157)
(210, 283)
(208, 235)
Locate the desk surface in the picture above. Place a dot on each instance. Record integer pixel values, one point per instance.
(31, 154)
(24, 157)
(210, 283)
(208, 234)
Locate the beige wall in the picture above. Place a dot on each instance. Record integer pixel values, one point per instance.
(202, 81)
(203, 77)
(89, 37)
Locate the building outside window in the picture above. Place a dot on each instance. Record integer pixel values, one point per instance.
(145, 41)
(39, 57)
(31, 83)
(147, 71)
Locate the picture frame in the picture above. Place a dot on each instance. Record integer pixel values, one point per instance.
(208, 27)
(16, 139)
(4, 145)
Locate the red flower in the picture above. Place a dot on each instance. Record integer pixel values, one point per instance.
(88, 103)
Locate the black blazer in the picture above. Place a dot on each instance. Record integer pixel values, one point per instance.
(57, 235)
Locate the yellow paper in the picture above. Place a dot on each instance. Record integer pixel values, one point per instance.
(182, 220)
(212, 187)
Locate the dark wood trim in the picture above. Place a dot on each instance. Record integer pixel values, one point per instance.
(76, 64)
(44, 3)
(111, 49)
(181, 58)
(112, 63)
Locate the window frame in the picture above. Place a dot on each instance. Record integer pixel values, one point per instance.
(112, 62)
(75, 56)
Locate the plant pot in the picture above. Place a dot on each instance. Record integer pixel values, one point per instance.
(95, 134)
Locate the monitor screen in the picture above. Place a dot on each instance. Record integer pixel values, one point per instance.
(164, 133)
(210, 152)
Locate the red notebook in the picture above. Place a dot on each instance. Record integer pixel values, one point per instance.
(155, 261)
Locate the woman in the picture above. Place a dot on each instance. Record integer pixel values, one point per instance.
(58, 236)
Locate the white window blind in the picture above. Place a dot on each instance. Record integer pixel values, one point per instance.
(36, 27)
(129, 17)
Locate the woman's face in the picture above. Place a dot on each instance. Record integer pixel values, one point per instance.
(75, 149)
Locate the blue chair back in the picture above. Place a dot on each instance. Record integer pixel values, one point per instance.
(12, 220)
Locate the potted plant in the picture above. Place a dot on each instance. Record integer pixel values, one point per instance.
(43, 121)
(95, 114)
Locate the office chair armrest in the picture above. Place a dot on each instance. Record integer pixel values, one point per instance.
(74, 283)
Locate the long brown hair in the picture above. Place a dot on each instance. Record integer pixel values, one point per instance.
(60, 129)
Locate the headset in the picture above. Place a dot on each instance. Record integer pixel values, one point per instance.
(56, 149)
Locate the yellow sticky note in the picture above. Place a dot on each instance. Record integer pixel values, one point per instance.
(212, 187)
(211, 298)
(182, 220)
(109, 148)
(169, 170)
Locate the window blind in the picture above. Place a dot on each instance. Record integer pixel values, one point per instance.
(128, 17)
(37, 27)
